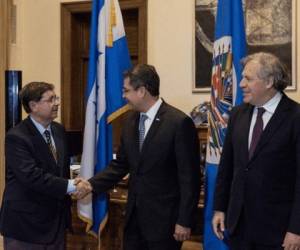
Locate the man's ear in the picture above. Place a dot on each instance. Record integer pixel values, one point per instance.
(270, 82)
(142, 91)
(32, 105)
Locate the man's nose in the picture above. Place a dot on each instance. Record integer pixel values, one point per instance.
(243, 83)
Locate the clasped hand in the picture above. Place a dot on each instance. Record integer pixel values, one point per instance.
(83, 188)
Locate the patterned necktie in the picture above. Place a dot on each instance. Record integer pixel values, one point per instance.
(143, 118)
(257, 131)
(50, 145)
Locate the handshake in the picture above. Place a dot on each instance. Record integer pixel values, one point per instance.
(83, 188)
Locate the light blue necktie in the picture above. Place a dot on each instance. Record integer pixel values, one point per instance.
(143, 118)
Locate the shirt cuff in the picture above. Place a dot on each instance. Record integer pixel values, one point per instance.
(71, 187)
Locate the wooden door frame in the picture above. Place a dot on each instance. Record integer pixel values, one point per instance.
(4, 62)
(67, 12)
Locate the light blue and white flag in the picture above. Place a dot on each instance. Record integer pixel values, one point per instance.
(108, 59)
(229, 49)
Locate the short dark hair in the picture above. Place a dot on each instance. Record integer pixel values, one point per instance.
(33, 91)
(144, 75)
(271, 66)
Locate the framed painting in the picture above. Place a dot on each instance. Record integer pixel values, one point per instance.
(270, 26)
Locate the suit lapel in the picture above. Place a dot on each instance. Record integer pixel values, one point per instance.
(278, 117)
(245, 123)
(60, 150)
(134, 133)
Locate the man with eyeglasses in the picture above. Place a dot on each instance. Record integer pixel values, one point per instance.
(159, 148)
(35, 209)
(257, 195)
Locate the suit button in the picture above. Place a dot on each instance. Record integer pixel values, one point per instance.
(246, 169)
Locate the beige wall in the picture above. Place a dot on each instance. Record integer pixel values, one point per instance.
(170, 46)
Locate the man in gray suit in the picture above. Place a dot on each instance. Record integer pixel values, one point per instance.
(159, 148)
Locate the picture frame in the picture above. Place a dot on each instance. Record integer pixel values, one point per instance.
(270, 28)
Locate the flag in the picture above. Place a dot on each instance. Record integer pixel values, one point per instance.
(108, 59)
(229, 49)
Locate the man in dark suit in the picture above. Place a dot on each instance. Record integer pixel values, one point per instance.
(257, 192)
(36, 208)
(161, 153)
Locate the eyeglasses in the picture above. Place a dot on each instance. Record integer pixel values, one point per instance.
(124, 90)
(52, 99)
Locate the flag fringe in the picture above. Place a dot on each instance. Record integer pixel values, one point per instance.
(90, 224)
(86, 220)
(112, 24)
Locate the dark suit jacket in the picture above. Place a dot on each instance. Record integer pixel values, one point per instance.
(266, 188)
(34, 201)
(164, 177)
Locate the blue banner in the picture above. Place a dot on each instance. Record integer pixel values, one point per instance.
(229, 49)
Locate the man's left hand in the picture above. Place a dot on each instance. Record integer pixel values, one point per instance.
(291, 241)
(182, 233)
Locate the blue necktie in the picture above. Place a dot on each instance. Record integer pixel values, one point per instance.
(257, 131)
(143, 118)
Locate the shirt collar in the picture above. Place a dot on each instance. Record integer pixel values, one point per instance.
(40, 127)
(272, 104)
(151, 113)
